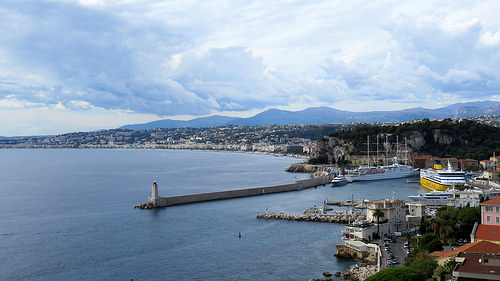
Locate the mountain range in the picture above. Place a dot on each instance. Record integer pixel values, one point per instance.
(326, 115)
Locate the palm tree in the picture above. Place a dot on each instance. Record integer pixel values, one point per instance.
(378, 214)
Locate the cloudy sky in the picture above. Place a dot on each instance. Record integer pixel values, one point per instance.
(91, 64)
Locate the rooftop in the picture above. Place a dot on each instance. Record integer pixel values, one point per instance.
(494, 201)
(476, 247)
(488, 232)
(479, 264)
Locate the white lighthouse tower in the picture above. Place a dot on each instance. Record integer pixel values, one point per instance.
(154, 195)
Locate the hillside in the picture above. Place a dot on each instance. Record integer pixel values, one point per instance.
(446, 138)
(327, 115)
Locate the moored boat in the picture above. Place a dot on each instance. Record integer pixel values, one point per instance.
(368, 173)
(439, 179)
(434, 197)
(339, 180)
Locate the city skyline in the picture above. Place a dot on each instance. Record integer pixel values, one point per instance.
(87, 65)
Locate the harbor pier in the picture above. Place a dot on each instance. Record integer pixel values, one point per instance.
(156, 201)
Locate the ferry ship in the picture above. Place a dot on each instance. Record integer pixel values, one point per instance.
(439, 179)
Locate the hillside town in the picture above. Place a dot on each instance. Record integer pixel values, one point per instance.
(295, 139)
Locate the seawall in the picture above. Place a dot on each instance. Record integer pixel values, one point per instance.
(219, 195)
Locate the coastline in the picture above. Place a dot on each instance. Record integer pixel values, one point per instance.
(295, 156)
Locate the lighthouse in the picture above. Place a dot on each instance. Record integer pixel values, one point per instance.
(154, 195)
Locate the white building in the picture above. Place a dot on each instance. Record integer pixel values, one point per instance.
(394, 220)
(471, 198)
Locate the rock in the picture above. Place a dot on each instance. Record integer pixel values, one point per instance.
(327, 274)
(337, 274)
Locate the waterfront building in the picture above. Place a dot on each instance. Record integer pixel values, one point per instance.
(490, 212)
(421, 161)
(471, 197)
(360, 250)
(394, 220)
(491, 175)
(489, 229)
(464, 163)
(416, 210)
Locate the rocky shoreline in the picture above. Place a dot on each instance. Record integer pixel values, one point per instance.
(360, 273)
(304, 168)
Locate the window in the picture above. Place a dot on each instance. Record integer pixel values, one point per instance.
(489, 209)
(497, 209)
(498, 219)
(488, 219)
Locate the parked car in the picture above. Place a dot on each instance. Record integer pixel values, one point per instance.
(395, 261)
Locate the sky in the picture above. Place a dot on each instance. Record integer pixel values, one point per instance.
(68, 66)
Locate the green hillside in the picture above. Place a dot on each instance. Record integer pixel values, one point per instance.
(447, 138)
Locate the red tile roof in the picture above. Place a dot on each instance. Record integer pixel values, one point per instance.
(474, 264)
(476, 247)
(494, 201)
(488, 232)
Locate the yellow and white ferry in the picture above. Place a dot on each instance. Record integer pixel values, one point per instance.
(441, 180)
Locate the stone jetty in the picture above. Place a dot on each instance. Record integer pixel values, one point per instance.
(314, 217)
(156, 201)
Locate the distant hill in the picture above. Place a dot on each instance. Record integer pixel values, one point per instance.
(446, 138)
(326, 115)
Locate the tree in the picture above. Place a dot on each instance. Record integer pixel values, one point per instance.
(430, 243)
(398, 273)
(427, 266)
(467, 217)
(378, 214)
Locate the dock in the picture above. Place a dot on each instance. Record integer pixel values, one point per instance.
(156, 201)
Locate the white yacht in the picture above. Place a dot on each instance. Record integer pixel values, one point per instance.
(434, 197)
(339, 180)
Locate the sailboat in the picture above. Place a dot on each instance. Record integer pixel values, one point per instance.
(368, 173)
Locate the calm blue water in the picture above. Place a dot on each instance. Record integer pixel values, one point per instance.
(68, 215)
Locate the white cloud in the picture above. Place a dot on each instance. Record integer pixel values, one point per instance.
(188, 58)
(490, 39)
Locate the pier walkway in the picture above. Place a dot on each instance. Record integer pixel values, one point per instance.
(156, 202)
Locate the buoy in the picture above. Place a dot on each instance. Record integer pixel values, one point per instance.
(239, 234)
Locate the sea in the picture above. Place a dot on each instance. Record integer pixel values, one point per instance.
(68, 214)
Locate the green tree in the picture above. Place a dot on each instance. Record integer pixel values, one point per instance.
(398, 273)
(378, 214)
(430, 243)
(467, 217)
(427, 266)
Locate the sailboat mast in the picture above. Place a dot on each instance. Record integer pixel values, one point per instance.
(386, 149)
(377, 152)
(368, 144)
(397, 149)
(406, 153)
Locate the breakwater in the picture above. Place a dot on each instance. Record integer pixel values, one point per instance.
(314, 217)
(156, 202)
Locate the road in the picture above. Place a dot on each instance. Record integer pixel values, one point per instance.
(397, 250)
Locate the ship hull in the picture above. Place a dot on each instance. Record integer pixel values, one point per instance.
(436, 186)
(383, 176)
